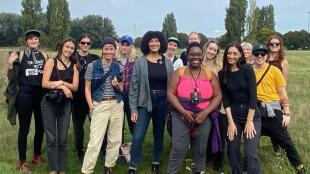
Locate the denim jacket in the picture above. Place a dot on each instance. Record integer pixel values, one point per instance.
(98, 83)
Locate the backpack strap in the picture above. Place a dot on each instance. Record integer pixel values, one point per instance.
(182, 71)
(44, 54)
(174, 59)
(21, 55)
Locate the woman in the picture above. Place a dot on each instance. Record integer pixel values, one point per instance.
(25, 71)
(247, 50)
(192, 37)
(147, 97)
(172, 47)
(213, 62)
(190, 121)
(79, 104)
(272, 93)
(103, 86)
(276, 58)
(126, 55)
(60, 79)
(238, 85)
(276, 54)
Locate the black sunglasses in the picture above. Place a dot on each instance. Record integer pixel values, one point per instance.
(83, 43)
(261, 54)
(274, 44)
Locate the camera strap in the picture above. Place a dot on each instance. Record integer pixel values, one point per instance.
(56, 68)
(195, 80)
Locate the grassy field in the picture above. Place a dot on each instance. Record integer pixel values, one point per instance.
(298, 90)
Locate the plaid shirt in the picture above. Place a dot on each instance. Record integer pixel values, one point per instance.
(127, 72)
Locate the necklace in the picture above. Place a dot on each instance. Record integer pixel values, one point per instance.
(195, 80)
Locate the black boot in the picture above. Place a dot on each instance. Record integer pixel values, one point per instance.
(155, 168)
(108, 170)
(131, 171)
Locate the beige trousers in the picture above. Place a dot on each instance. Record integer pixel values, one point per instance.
(107, 117)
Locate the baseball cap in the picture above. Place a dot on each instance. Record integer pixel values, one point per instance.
(126, 38)
(260, 48)
(174, 39)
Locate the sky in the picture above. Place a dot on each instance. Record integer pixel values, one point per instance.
(135, 17)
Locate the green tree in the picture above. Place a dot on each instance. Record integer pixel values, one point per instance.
(183, 38)
(137, 42)
(235, 20)
(250, 17)
(204, 39)
(263, 34)
(170, 26)
(32, 16)
(10, 29)
(297, 40)
(108, 28)
(58, 18)
(266, 18)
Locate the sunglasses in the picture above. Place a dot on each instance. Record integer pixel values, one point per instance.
(83, 43)
(261, 54)
(274, 44)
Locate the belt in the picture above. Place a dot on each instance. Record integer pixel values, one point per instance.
(107, 98)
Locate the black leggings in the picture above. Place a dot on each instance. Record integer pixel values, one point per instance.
(27, 102)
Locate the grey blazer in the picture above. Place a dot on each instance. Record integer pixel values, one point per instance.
(139, 90)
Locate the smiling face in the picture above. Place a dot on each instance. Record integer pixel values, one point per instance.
(172, 47)
(211, 51)
(85, 44)
(233, 55)
(195, 56)
(193, 38)
(108, 51)
(33, 42)
(154, 45)
(260, 58)
(247, 52)
(274, 45)
(68, 49)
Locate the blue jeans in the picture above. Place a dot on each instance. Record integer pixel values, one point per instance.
(56, 120)
(158, 115)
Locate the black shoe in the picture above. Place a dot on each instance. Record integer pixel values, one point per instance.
(131, 171)
(108, 170)
(155, 168)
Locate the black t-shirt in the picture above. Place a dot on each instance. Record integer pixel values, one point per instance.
(84, 61)
(64, 74)
(240, 87)
(157, 75)
(184, 58)
(31, 69)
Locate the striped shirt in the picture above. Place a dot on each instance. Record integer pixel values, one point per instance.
(108, 88)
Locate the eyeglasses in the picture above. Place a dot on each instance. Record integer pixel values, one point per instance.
(261, 54)
(274, 44)
(83, 43)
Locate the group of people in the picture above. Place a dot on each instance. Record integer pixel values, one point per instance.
(206, 100)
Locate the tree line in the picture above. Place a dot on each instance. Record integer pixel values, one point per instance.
(244, 22)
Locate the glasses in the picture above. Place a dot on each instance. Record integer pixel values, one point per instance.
(261, 54)
(83, 43)
(274, 44)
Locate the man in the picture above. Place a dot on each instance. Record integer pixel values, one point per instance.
(274, 100)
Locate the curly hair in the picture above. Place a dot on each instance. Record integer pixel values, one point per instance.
(131, 55)
(280, 55)
(144, 46)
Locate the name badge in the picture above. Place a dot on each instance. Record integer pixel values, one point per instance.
(31, 72)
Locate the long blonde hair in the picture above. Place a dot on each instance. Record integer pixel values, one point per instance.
(216, 65)
(131, 55)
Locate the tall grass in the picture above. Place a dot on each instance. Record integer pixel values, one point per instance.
(298, 91)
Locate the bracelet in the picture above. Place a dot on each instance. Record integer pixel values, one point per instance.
(286, 104)
(286, 114)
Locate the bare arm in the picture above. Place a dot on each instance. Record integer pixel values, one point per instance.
(284, 65)
(88, 94)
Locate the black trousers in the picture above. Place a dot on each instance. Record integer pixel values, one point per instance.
(80, 110)
(273, 127)
(27, 102)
